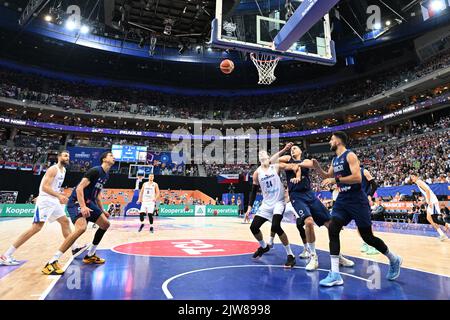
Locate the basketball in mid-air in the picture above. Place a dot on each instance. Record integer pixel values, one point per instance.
(227, 66)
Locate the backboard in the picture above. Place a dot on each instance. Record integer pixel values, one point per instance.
(138, 170)
(252, 26)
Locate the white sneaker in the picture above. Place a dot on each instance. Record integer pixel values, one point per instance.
(8, 261)
(304, 255)
(443, 237)
(343, 261)
(313, 263)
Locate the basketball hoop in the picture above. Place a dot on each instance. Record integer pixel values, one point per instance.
(265, 64)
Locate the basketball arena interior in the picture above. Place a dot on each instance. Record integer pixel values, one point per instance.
(225, 150)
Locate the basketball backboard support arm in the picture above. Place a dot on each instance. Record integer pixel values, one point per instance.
(250, 32)
(304, 17)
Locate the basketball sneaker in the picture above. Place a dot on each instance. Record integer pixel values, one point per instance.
(313, 263)
(343, 261)
(76, 252)
(290, 262)
(443, 237)
(151, 229)
(394, 269)
(372, 251)
(305, 254)
(53, 269)
(93, 260)
(333, 279)
(8, 261)
(364, 247)
(260, 251)
(141, 227)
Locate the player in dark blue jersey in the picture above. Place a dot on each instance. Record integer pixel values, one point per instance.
(309, 209)
(85, 205)
(351, 204)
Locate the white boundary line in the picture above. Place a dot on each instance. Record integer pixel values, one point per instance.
(371, 260)
(55, 280)
(169, 295)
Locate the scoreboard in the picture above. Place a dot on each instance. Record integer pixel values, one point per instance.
(124, 153)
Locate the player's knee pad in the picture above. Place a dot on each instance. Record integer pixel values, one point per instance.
(300, 226)
(334, 229)
(254, 228)
(276, 224)
(141, 216)
(150, 218)
(299, 223)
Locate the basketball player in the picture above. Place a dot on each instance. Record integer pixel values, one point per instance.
(309, 208)
(86, 206)
(433, 209)
(272, 206)
(49, 207)
(351, 204)
(289, 209)
(147, 197)
(369, 186)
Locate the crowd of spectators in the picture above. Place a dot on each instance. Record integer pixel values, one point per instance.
(88, 97)
(424, 149)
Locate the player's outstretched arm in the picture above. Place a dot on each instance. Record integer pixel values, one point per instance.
(278, 157)
(253, 193)
(141, 193)
(322, 173)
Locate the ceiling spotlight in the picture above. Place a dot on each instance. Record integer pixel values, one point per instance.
(388, 23)
(48, 18)
(84, 29)
(70, 25)
(437, 5)
(377, 26)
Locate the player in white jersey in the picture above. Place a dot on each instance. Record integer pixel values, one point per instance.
(147, 197)
(433, 209)
(49, 207)
(272, 206)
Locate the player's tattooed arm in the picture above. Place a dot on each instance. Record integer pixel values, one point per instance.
(84, 210)
(323, 173)
(253, 193)
(100, 204)
(355, 177)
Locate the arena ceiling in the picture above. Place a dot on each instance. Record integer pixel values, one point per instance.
(188, 22)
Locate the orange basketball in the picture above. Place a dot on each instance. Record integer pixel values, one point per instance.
(227, 66)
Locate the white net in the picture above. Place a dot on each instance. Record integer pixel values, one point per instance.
(265, 64)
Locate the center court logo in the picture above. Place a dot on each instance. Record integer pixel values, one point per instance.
(187, 248)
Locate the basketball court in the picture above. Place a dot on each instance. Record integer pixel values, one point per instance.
(210, 258)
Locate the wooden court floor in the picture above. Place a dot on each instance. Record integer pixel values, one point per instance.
(27, 282)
